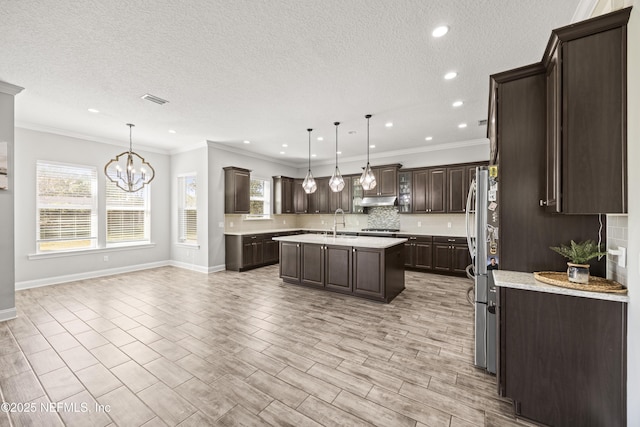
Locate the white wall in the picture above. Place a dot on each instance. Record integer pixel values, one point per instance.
(7, 199)
(188, 256)
(219, 158)
(31, 146)
(633, 267)
(471, 151)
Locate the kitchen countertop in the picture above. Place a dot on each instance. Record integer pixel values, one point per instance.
(340, 230)
(526, 281)
(361, 242)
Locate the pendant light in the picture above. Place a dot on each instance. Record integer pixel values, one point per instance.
(336, 183)
(368, 178)
(128, 170)
(309, 184)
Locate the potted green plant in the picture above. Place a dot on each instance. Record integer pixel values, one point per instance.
(579, 254)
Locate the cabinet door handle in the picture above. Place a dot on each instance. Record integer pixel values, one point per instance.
(298, 245)
(451, 240)
(253, 237)
(543, 202)
(354, 249)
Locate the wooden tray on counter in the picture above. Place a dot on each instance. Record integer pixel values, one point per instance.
(596, 284)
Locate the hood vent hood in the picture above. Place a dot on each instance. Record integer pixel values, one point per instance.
(375, 201)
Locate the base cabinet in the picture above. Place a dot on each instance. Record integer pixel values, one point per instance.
(562, 359)
(450, 254)
(370, 273)
(251, 251)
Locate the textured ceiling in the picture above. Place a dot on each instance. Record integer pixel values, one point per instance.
(265, 71)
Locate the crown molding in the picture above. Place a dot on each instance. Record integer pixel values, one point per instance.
(191, 147)
(78, 135)
(10, 89)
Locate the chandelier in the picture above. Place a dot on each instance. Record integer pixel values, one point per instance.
(336, 183)
(368, 178)
(309, 184)
(128, 170)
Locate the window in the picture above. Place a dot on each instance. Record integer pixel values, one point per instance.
(187, 210)
(127, 215)
(260, 197)
(66, 207)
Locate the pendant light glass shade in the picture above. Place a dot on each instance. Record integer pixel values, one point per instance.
(368, 178)
(309, 184)
(336, 183)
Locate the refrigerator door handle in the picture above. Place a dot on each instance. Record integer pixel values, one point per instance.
(468, 211)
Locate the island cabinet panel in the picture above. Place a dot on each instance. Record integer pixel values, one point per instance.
(338, 273)
(561, 358)
(290, 261)
(368, 273)
(312, 265)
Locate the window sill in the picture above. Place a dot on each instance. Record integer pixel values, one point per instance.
(188, 245)
(113, 248)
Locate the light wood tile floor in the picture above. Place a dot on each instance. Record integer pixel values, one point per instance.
(173, 347)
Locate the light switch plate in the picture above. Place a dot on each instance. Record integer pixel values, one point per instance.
(622, 258)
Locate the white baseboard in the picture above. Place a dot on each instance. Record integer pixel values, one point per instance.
(8, 314)
(28, 284)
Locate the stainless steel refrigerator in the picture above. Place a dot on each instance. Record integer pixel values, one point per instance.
(482, 237)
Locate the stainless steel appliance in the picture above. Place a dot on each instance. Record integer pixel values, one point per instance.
(482, 237)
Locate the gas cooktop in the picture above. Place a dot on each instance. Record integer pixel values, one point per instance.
(382, 230)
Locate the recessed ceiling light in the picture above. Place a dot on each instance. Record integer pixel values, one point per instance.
(246, 142)
(285, 145)
(457, 103)
(372, 146)
(462, 125)
(172, 131)
(313, 155)
(282, 152)
(93, 110)
(450, 75)
(352, 132)
(389, 124)
(440, 31)
(320, 138)
(429, 138)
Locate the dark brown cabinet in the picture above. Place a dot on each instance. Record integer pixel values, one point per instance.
(586, 116)
(370, 273)
(300, 197)
(237, 183)
(386, 181)
(290, 262)
(450, 254)
(319, 200)
(251, 251)
(562, 359)
(342, 199)
(270, 248)
(418, 252)
(283, 195)
(429, 190)
(456, 189)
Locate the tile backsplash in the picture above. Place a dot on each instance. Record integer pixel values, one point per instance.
(617, 236)
(383, 217)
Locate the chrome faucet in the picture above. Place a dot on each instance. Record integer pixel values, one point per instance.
(335, 221)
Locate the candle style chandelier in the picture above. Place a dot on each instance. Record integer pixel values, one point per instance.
(128, 170)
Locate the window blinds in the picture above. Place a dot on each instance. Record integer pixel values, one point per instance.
(127, 214)
(66, 205)
(187, 209)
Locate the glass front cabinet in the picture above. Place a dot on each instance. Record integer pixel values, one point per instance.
(404, 192)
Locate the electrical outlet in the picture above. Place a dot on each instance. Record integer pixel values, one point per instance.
(622, 258)
(231, 224)
(419, 223)
(357, 222)
(284, 221)
(448, 225)
(105, 258)
(322, 222)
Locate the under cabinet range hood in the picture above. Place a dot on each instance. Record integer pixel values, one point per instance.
(375, 201)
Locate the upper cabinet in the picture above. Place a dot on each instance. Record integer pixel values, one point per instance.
(586, 116)
(341, 199)
(386, 179)
(283, 195)
(456, 189)
(429, 190)
(319, 200)
(300, 197)
(237, 183)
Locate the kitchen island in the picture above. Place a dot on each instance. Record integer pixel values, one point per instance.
(368, 267)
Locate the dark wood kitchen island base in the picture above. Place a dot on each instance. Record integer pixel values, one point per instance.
(368, 267)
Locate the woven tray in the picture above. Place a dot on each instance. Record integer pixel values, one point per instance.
(596, 284)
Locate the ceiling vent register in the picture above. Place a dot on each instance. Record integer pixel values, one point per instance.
(154, 99)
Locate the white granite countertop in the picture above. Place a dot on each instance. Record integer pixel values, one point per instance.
(360, 242)
(340, 230)
(526, 281)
